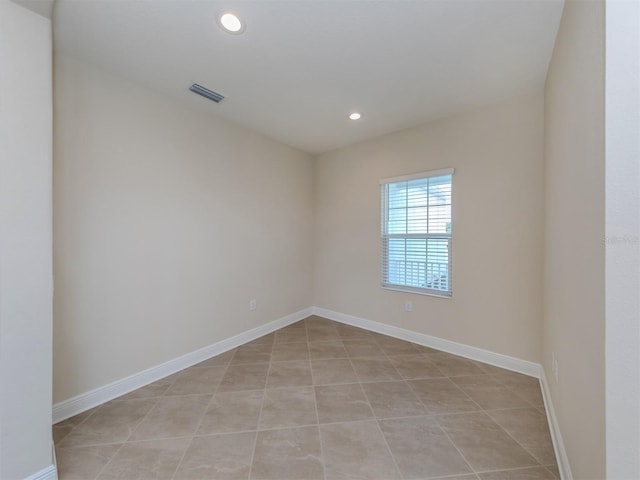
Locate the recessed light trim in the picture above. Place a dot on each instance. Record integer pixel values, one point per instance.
(230, 22)
(355, 116)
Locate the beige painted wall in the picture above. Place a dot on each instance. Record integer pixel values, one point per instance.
(25, 243)
(167, 222)
(574, 285)
(497, 152)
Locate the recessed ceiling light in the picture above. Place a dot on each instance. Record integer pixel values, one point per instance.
(355, 116)
(230, 22)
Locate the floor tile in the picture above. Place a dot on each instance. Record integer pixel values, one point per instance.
(220, 457)
(488, 392)
(454, 366)
(292, 453)
(84, 463)
(59, 432)
(290, 351)
(484, 444)
(342, 403)
(291, 336)
(415, 366)
(553, 469)
(362, 349)
(61, 429)
(393, 399)
(317, 321)
(421, 449)
(375, 369)
(424, 349)
(155, 389)
(356, 450)
(324, 334)
(534, 473)
(176, 416)
(529, 427)
(289, 374)
(77, 419)
(441, 395)
(324, 350)
(244, 377)
(347, 332)
(218, 361)
(113, 422)
(196, 380)
(232, 412)
(288, 407)
(492, 369)
(255, 353)
(524, 386)
(471, 476)
(393, 346)
(332, 371)
(154, 459)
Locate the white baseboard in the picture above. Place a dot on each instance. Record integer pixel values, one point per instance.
(554, 428)
(49, 473)
(100, 395)
(504, 361)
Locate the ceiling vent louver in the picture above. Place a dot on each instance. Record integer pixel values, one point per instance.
(206, 93)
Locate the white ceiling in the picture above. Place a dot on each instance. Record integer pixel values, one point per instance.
(302, 65)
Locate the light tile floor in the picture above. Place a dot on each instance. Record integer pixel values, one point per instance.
(318, 400)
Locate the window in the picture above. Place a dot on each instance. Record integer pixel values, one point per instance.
(416, 233)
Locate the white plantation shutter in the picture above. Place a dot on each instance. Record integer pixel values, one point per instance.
(416, 232)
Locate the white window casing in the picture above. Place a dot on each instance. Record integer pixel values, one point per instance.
(417, 232)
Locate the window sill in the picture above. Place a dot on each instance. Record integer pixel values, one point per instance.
(418, 291)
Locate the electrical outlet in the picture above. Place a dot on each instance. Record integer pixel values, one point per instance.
(253, 304)
(408, 306)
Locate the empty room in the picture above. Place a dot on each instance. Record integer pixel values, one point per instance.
(319, 239)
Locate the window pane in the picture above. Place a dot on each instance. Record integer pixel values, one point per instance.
(416, 262)
(437, 275)
(417, 192)
(397, 221)
(440, 219)
(395, 264)
(417, 219)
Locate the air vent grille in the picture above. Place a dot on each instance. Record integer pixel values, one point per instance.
(206, 93)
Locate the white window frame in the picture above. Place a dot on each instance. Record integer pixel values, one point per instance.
(385, 236)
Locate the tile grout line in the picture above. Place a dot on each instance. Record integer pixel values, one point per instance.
(456, 413)
(133, 429)
(315, 404)
(110, 460)
(515, 440)
(384, 439)
(264, 398)
(204, 413)
(473, 470)
(393, 457)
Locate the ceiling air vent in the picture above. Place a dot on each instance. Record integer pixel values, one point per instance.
(206, 93)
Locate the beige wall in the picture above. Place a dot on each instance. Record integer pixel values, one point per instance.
(25, 243)
(166, 223)
(497, 152)
(574, 235)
